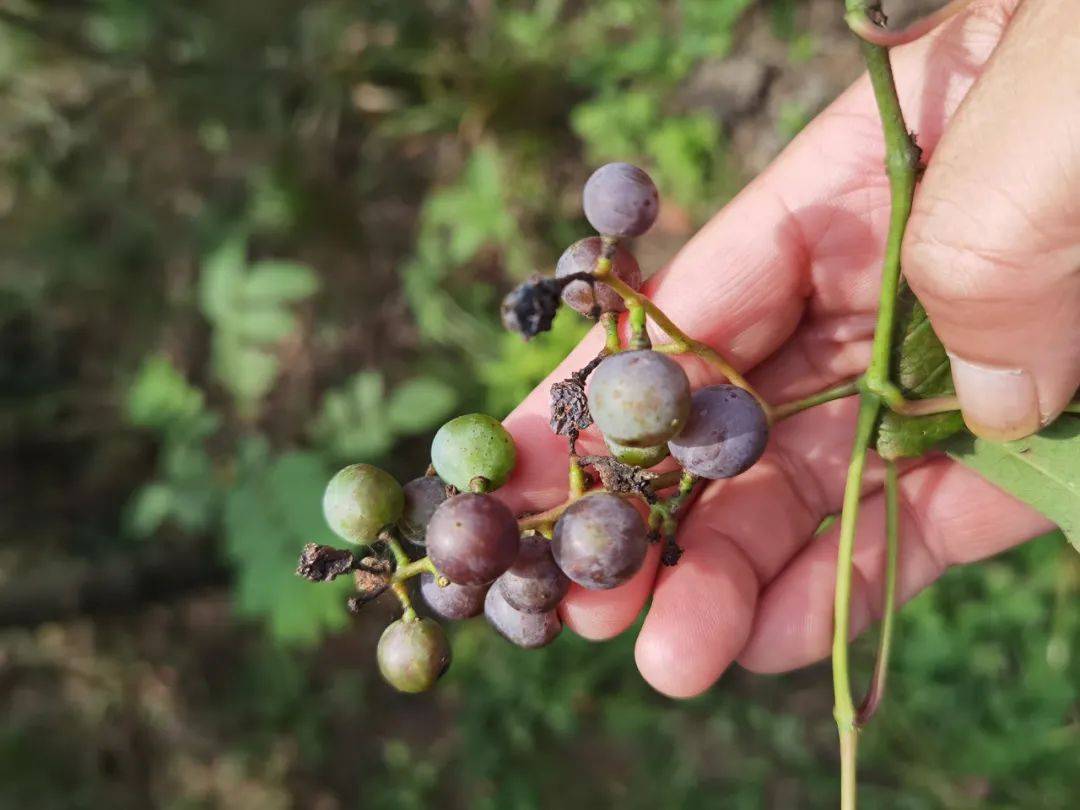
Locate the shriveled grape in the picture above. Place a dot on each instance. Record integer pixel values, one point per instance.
(639, 398)
(412, 655)
(600, 541)
(620, 200)
(534, 583)
(422, 497)
(637, 456)
(473, 446)
(453, 601)
(581, 257)
(360, 501)
(725, 434)
(528, 630)
(472, 538)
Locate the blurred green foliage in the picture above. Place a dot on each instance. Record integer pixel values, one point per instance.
(245, 242)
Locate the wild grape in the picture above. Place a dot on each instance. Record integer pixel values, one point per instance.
(528, 630)
(600, 541)
(725, 434)
(360, 501)
(581, 257)
(472, 538)
(620, 200)
(453, 601)
(413, 654)
(639, 398)
(534, 583)
(473, 446)
(422, 497)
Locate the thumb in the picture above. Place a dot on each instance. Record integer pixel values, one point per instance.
(993, 244)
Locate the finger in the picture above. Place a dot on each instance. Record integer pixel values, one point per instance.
(599, 615)
(948, 515)
(993, 246)
(741, 533)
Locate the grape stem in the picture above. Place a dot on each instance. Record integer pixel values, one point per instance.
(543, 520)
(888, 611)
(610, 322)
(902, 160)
(902, 406)
(681, 343)
(664, 518)
(404, 569)
(787, 409)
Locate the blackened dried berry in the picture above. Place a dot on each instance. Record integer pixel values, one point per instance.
(324, 563)
(530, 307)
(569, 408)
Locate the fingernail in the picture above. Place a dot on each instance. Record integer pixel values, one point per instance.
(1000, 404)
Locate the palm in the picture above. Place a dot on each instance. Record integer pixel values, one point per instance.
(784, 282)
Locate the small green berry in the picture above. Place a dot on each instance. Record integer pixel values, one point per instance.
(413, 654)
(360, 501)
(637, 456)
(473, 446)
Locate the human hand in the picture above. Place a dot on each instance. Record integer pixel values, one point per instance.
(784, 280)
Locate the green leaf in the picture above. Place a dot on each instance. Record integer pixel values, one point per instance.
(1042, 470)
(245, 370)
(419, 404)
(353, 422)
(264, 325)
(150, 507)
(921, 369)
(161, 398)
(275, 281)
(268, 518)
(222, 278)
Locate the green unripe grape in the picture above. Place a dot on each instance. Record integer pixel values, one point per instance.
(471, 446)
(637, 456)
(412, 655)
(360, 501)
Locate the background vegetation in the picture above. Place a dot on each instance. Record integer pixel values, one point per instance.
(244, 242)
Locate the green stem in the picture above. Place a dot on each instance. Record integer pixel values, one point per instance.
(844, 708)
(663, 515)
(901, 165)
(397, 583)
(681, 343)
(610, 322)
(787, 409)
(639, 338)
(422, 566)
(542, 520)
(577, 479)
(888, 611)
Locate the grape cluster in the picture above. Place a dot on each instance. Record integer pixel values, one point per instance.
(480, 557)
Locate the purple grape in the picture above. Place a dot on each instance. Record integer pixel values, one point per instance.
(581, 257)
(725, 434)
(412, 655)
(528, 630)
(422, 497)
(534, 583)
(454, 602)
(620, 200)
(360, 501)
(472, 538)
(600, 541)
(639, 398)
